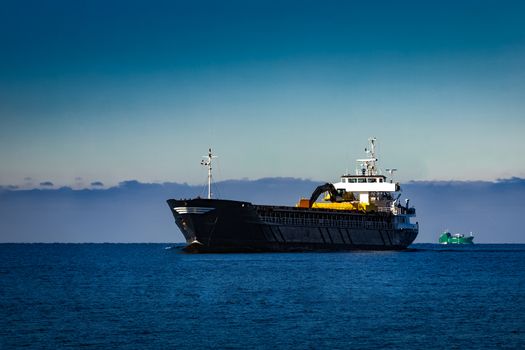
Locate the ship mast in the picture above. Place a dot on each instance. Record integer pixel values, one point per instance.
(207, 163)
(368, 165)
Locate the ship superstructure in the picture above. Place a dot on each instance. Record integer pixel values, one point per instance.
(362, 211)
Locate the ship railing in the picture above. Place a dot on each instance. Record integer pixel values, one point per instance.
(384, 209)
(288, 221)
(398, 210)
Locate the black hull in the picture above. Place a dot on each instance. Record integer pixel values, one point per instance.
(212, 225)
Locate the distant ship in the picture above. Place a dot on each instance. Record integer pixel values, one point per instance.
(456, 238)
(361, 212)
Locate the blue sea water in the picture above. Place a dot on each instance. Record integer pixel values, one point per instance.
(145, 296)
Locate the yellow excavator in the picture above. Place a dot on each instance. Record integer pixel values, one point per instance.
(335, 200)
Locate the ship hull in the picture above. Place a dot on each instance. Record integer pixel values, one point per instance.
(213, 225)
(461, 240)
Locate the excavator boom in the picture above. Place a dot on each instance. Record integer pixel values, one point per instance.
(327, 187)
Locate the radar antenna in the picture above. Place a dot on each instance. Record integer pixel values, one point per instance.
(207, 163)
(391, 172)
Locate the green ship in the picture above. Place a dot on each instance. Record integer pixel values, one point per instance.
(456, 238)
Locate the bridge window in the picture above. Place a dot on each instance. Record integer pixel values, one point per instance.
(372, 180)
(352, 180)
(361, 180)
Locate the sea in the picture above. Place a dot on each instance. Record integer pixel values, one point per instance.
(154, 296)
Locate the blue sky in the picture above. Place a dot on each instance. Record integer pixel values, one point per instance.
(108, 91)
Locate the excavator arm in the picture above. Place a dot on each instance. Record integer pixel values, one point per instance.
(327, 187)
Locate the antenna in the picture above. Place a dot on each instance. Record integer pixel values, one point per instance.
(391, 172)
(372, 150)
(207, 162)
(368, 165)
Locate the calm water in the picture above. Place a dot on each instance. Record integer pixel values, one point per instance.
(145, 296)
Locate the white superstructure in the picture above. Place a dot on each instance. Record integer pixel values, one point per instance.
(367, 179)
(374, 190)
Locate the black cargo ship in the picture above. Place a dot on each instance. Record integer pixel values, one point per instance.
(358, 213)
(214, 225)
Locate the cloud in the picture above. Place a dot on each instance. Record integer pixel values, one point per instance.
(137, 212)
(46, 184)
(97, 184)
(9, 187)
(512, 180)
(28, 181)
(131, 184)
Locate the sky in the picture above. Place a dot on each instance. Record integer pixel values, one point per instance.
(97, 92)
